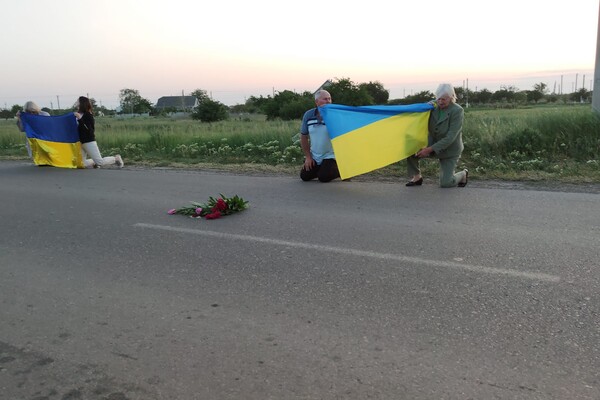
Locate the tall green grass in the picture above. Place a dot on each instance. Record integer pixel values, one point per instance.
(561, 141)
(540, 143)
(559, 133)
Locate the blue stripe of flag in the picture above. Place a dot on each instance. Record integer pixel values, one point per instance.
(61, 128)
(341, 119)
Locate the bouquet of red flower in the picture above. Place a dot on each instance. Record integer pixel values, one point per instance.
(213, 208)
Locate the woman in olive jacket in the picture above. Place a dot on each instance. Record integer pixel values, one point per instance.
(87, 137)
(445, 141)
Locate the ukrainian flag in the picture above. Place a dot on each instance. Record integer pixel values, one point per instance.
(53, 140)
(366, 138)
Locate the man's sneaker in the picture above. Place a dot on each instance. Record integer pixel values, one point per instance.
(119, 161)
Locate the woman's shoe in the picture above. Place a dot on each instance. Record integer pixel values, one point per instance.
(415, 183)
(463, 184)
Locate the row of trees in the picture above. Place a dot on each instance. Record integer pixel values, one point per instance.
(289, 105)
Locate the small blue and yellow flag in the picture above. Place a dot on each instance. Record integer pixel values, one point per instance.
(53, 140)
(366, 138)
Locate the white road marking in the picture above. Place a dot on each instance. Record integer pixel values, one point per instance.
(360, 253)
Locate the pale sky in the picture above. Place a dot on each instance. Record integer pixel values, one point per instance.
(55, 51)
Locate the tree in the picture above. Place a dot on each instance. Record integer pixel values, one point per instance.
(132, 103)
(483, 96)
(200, 94)
(6, 114)
(376, 90)
(296, 109)
(210, 111)
(538, 92)
(520, 97)
(582, 95)
(288, 105)
(344, 91)
(420, 97)
(541, 87)
(506, 94)
(463, 95)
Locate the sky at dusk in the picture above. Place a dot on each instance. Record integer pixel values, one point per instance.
(55, 51)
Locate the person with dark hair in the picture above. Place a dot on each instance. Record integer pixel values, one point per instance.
(444, 141)
(319, 159)
(87, 137)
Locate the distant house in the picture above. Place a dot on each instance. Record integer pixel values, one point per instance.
(176, 103)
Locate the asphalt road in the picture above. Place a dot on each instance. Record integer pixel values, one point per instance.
(347, 290)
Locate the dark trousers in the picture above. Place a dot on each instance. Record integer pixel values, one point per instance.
(327, 171)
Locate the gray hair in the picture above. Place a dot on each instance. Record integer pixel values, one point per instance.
(32, 108)
(445, 89)
(319, 93)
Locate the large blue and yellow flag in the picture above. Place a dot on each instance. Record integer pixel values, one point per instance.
(366, 138)
(53, 140)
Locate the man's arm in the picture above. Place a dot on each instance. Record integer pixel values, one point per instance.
(308, 160)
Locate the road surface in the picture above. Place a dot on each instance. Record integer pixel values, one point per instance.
(347, 290)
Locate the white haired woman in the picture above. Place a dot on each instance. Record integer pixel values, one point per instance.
(444, 141)
(31, 108)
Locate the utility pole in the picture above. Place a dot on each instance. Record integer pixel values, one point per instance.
(561, 84)
(596, 94)
(467, 93)
(58, 102)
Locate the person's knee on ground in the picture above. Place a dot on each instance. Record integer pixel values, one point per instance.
(305, 177)
(309, 175)
(325, 179)
(328, 171)
(452, 180)
(448, 183)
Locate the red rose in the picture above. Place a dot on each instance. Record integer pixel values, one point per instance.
(221, 205)
(213, 215)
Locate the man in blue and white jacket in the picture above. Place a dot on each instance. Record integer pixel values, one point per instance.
(319, 159)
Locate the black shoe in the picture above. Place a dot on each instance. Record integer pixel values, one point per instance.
(415, 183)
(463, 184)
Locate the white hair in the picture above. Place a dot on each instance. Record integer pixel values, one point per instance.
(319, 93)
(32, 108)
(445, 89)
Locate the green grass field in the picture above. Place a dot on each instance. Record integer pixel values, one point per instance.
(538, 143)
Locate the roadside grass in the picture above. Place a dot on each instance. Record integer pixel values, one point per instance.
(559, 143)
